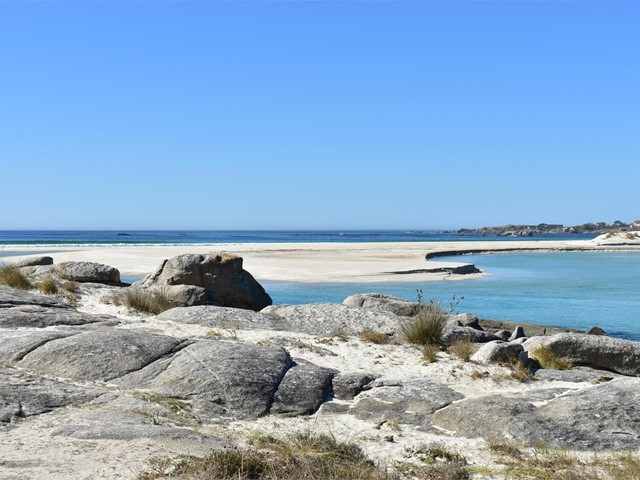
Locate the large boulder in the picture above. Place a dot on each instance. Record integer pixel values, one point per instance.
(303, 389)
(603, 417)
(614, 354)
(222, 317)
(380, 301)
(99, 355)
(221, 275)
(87, 272)
(222, 379)
(454, 332)
(497, 351)
(24, 309)
(332, 318)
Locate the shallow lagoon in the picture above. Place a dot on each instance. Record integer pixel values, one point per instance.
(575, 290)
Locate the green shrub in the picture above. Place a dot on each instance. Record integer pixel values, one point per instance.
(548, 359)
(48, 285)
(12, 277)
(427, 326)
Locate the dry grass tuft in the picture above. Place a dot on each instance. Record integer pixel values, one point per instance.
(437, 463)
(430, 353)
(548, 359)
(547, 464)
(12, 277)
(70, 286)
(372, 336)
(48, 285)
(304, 456)
(427, 326)
(463, 349)
(153, 302)
(521, 372)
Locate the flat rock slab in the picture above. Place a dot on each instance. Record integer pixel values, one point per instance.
(614, 354)
(99, 355)
(221, 317)
(410, 402)
(331, 318)
(15, 344)
(23, 395)
(380, 301)
(24, 309)
(572, 376)
(222, 379)
(599, 418)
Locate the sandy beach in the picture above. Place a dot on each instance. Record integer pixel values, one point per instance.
(324, 262)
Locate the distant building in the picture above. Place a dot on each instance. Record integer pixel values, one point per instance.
(636, 224)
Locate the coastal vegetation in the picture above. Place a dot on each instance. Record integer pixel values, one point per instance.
(11, 276)
(152, 302)
(427, 327)
(302, 456)
(48, 285)
(463, 349)
(546, 358)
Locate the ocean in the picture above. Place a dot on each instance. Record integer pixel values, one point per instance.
(576, 290)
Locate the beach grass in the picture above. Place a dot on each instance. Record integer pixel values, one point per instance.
(302, 456)
(11, 276)
(427, 327)
(548, 359)
(463, 349)
(152, 302)
(48, 286)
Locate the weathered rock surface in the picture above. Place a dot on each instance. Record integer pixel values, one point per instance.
(347, 385)
(617, 355)
(573, 375)
(23, 395)
(302, 390)
(497, 352)
(222, 379)
(15, 344)
(603, 417)
(330, 318)
(380, 301)
(24, 309)
(34, 262)
(221, 275)
(596, 331)
(99, 355)
(87, 272)
(410, 402)
(467, 320)
(454, 332)
(222, 317)
(518, 332)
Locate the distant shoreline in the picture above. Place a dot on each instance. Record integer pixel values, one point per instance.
(353, 262)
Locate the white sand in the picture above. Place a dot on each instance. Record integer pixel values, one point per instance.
(318, 262)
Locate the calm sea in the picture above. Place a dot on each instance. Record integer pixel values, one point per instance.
(576, 290)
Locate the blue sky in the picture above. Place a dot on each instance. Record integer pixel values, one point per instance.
(318, 115)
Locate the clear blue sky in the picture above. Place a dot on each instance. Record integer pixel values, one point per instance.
(318, 115)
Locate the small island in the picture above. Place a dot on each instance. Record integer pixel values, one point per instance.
(551, 228)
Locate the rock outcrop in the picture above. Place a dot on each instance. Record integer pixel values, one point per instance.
(396, 305)
(597, 351)
(87, 272)
(220, 276)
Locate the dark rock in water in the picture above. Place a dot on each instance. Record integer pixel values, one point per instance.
(596, 331)
(33, 262)
(23, 395)
(517, 333)
(346, 386)
(99, 355)
(598, 418)
(389, 303)
(597, 351)
(24, 309)
(411, 402)
(332, 318)
(302, 390)
(221, 276)
(87, 272)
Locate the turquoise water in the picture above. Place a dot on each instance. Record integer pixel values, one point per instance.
(576, 290)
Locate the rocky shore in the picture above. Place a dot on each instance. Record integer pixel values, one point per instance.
(93, 389)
